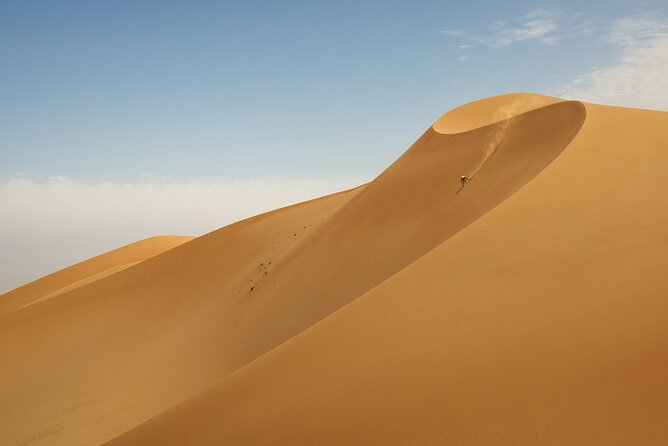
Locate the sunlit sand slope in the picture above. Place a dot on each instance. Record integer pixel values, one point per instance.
(543, 322)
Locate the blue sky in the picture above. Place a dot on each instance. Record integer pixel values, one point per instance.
(206, 89)
(222, 96)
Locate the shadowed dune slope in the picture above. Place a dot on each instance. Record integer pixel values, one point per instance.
(87, 271)
(543, 322)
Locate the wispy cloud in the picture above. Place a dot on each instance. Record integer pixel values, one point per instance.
(462, 58)
(638, 77)
(545, 26)
(539, 24)
(452, 32)
(47, 225)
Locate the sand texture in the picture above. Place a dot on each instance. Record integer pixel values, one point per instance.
(529, 307)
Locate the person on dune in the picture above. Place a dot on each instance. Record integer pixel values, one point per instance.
(464, 179)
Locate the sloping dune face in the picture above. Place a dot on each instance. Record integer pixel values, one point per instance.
(88, 364)
(543, 322)
(410, 309)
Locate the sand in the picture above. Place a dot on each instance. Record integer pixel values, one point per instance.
(525, 308)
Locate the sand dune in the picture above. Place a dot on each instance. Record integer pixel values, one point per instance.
(525, 308)
(87, 271)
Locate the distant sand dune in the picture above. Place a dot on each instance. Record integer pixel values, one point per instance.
(87, 271)
(526, 308)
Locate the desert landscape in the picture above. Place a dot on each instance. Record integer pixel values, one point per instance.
(527, 306)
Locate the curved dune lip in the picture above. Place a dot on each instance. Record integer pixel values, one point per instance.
(491, 110)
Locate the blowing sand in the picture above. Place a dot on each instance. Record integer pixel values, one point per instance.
(526, 308)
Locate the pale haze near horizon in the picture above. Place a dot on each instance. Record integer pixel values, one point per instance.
(123, 121)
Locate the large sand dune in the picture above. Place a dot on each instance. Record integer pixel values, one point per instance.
(526, 308)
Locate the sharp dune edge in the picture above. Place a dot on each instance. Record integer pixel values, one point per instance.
(526, 308)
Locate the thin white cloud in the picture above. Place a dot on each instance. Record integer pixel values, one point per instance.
(539, 24)
(452, 32)
(540, 14)
(638, 77)
(47, 225)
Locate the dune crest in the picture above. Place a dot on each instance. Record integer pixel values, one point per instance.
(406, 310)
(490, 110)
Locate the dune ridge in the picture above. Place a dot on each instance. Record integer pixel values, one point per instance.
(405, 310)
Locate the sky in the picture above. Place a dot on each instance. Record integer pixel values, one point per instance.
(122, 120)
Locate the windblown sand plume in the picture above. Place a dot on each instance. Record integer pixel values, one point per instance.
(502, 114)
(527, 308)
